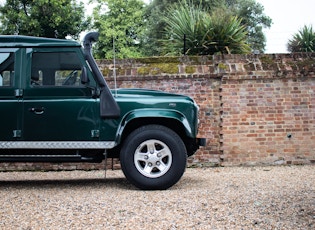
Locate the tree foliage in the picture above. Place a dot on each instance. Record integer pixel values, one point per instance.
(46, 18)
(122, 21)
(204, 33)
(154, 14)
(303, 41)
(253, 17)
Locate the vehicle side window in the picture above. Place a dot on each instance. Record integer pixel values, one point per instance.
(56, 69)
(6, 69)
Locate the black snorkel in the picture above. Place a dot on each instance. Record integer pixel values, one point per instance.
(108, 105)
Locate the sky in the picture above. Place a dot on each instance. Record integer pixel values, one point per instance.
(288, 18)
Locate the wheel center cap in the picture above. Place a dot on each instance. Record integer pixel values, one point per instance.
(153, 158)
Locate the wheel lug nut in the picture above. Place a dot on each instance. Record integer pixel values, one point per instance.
(150, 164)
(158, 163)
(159, 154)
(146, 157)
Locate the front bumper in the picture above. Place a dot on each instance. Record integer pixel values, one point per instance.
(194, 145)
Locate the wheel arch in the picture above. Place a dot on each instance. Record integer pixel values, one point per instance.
(171, 119)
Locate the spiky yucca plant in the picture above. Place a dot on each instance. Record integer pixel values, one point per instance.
(205, 34)
(227, 34)
(303, 41)
(185, 21)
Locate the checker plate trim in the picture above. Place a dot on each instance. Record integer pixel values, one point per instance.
(57, 145)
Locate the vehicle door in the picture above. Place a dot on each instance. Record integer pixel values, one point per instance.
(57, 106)
(10, 107)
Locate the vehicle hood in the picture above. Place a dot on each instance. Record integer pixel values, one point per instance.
(147, 93)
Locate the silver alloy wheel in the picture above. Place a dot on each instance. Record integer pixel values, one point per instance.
(153, 158)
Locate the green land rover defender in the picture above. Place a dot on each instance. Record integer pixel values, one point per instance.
(55, 106)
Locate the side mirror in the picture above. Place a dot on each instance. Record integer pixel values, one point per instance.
(84, 77)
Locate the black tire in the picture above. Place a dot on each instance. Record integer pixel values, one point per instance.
(153, 157)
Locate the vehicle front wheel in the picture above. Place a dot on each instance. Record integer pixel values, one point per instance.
(153, 157)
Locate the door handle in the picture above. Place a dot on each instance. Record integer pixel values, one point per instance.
(37, 111)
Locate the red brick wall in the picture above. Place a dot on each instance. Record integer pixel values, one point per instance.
(268, 121)
(254, 109)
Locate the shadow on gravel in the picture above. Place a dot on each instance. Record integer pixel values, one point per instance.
(118, 183)
(90, 183)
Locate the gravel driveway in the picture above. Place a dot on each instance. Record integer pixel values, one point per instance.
(205, 198)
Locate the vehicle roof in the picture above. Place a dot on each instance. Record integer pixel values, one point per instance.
(29, 41)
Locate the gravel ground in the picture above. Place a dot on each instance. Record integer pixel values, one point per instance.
(205, 198)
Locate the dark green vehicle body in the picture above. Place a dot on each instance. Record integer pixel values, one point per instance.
(55, 106)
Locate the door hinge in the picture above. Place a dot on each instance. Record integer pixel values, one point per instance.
(18, 92)
(95, 133)
(17, 133)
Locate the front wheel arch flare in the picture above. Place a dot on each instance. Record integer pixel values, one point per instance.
(162, 117)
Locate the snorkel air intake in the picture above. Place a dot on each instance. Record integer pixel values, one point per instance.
(108, 106)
